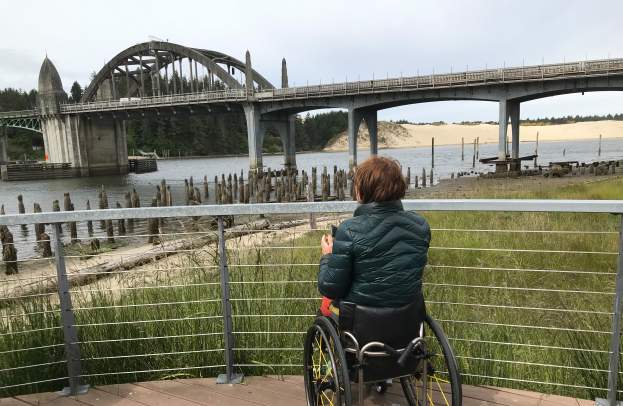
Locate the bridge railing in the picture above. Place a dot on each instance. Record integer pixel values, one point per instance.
(528, 292)
(19, 114)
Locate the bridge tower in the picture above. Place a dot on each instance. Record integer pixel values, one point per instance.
(93, 145)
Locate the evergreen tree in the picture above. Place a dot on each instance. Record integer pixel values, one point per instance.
(75, 94)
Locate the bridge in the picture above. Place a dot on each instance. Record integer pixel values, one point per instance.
(163, 78)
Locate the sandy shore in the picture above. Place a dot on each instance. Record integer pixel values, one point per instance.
(393, 135)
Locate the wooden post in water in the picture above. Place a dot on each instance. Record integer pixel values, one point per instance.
(21, 209)
(73, 229)
(536, 149)
(153, 231)
(408, 177)
(120, 223)
(90, 223)
(310, 198)
(474, 155)
(206, 191)
(477, 148)
(462, 149)
(46, 247)
(432, 153)
(39, 227)
(9, 253)
(599, 150)
(423, 177)
(415, 182)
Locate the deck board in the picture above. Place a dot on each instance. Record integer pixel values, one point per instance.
(263, 391)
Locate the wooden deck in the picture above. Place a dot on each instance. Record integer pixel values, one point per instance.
(273, 391)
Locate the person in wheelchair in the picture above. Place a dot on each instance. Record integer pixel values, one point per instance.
(372, 323)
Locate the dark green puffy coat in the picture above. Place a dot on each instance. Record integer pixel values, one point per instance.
(378, 257)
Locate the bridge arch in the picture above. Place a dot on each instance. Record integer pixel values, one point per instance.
(147, 61)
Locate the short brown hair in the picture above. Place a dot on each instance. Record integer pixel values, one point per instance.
(379, 179)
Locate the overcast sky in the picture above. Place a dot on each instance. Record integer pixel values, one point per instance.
(327, 41)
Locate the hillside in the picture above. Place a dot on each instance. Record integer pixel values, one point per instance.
(392, 135)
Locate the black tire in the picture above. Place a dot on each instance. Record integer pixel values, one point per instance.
(322, 333)
(451, 374)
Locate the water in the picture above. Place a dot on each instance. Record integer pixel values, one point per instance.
(447, 161)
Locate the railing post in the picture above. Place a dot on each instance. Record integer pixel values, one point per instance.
(229, 376)
(68, 320)
(615, 339)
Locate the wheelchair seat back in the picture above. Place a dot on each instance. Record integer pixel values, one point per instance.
(393, 326)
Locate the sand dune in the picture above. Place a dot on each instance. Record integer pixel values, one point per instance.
(393, 135)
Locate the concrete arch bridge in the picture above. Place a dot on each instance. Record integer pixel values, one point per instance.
(163, 78)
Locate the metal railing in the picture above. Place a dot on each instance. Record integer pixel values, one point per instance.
(591, 68)
(540, 312)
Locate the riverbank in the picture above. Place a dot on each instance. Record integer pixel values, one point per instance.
(392, 135)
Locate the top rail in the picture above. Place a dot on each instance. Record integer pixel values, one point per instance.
(493, 205)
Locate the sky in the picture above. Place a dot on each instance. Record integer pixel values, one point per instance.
(328, 40)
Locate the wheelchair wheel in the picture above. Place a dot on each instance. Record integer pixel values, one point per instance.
(326, 374)
(443, 381)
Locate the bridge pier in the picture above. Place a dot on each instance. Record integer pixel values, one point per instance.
(515, 164)
(255, 135)
(4, 144)
(355, 116)
(285, 126)
(508, 109)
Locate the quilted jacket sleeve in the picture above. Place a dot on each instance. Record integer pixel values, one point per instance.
(334, 278)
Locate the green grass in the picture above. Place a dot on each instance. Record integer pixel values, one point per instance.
(274, 281)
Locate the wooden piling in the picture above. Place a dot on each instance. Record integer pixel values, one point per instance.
(9, 253)
(21, 209)
(432, 183)
(153, 231)
(462, 149)
(206, 190)
(73, 229)
(432, 152)
(423, 177)
(39, 227)
(120, 223)
(599, 149)
(474, 155)
(536, 149)
(46, 246)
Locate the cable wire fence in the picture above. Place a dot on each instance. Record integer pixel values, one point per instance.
(528, 293)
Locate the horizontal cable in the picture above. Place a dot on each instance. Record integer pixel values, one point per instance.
(146, 371)
(269, 349)
(534, 382)
(147, 304)
(121, 254)
(36, 330)
(519, 307)
(274, 315)
(33, 383)
(545, 347)
(189, 285)
(157, 354)
(452, 285)
(260, 365)
(28, 296)
(518, 269)
(525, 326)
(149, 338)
(533, 364)
(113, 323)
(135, 271)
(34, 366)
(467, 230)
(266, 265)
(32, 348)
(525, 250)
(16, 315)
(269, 332)
(269, 282)
(252, 299)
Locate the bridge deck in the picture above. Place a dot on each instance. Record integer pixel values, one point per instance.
(273, 391)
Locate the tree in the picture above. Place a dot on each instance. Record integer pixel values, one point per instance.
(75, 94)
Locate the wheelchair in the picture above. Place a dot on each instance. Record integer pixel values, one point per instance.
(369, 347)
